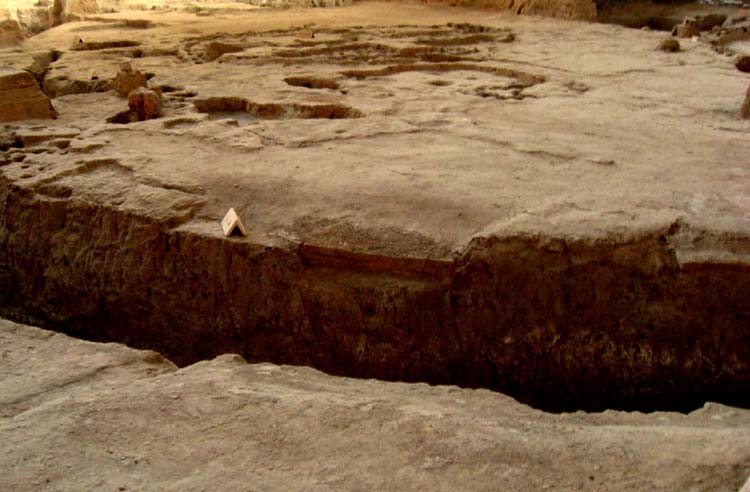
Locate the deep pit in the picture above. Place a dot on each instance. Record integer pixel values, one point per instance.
(445, 205)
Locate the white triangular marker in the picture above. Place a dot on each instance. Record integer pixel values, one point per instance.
(231, 223)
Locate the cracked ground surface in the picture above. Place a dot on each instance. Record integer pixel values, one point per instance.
(403, 131)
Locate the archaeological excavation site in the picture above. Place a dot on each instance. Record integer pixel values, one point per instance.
(274, 245)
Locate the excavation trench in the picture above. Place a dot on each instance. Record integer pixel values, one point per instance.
(560, 325)
(233, 106)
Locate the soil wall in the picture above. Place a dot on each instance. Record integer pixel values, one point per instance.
(557, 324)
(560, 9)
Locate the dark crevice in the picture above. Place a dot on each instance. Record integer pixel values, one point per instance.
(82, 45)
(312, 83)
(231, 106)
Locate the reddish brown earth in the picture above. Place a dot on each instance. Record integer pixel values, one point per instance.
(22, 98)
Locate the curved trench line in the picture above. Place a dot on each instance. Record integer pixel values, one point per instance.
(275, 111)
(560, 325)
(525, 79)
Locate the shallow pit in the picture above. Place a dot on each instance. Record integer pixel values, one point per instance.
(274, 111)
(524, 79)
(82, 45)
(312, 82)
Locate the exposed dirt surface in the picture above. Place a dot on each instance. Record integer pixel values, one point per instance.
(22, 98)
(557, 210)
(82, 416)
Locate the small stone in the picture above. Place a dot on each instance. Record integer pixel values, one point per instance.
(742, 63)
(145, 104)
(93, 75)
(745, 108)
(670, 45)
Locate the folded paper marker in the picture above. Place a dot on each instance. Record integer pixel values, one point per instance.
(232, 224)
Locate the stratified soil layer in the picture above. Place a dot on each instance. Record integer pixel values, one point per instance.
(556, 210)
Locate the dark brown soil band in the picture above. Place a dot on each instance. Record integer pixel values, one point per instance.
(559, 325)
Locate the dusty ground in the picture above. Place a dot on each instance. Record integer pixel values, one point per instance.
(617, 138)
(82, 416)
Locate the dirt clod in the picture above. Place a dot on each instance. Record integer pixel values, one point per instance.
(670, 45)
(128, 80)
(21, 97)
(215, 49)
(145, 104)
(687, 29)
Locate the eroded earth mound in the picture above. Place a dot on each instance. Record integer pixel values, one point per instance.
(21, 98)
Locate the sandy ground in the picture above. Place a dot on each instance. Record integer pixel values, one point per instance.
(82, 416)
(619, 137)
